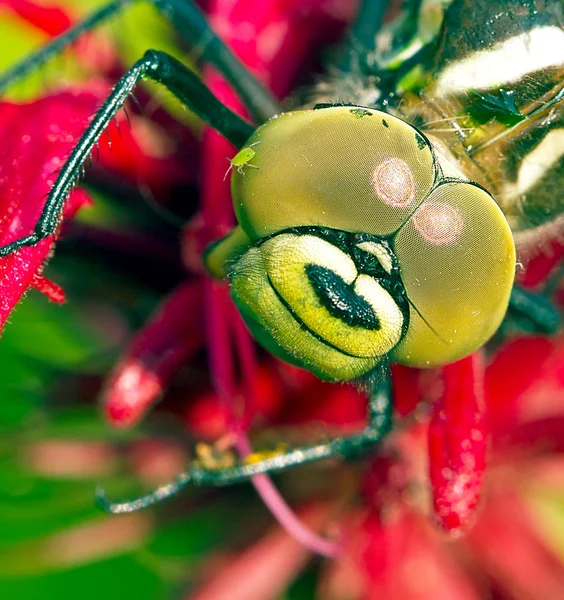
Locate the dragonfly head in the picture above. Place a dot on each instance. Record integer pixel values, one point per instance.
(357, 248)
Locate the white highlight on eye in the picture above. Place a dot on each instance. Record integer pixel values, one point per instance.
(538, 162)
(394, 183)
(379, 252)
(506, 62)
(438, 222)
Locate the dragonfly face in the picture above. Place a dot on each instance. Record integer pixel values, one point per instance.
(360, 248)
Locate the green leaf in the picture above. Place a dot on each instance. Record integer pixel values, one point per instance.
(113, 579)
(51, 335)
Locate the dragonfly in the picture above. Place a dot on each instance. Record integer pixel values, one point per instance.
(378, 222)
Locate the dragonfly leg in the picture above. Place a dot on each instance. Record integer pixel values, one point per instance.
(179, 80)
(347, 447)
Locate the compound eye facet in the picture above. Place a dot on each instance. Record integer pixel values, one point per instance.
(347, 168)
(457, 262)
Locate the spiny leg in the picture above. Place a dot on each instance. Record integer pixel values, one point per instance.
(192, 26)
(179, 80)
(350, 446)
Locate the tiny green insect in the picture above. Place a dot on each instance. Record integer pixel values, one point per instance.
(242, 159)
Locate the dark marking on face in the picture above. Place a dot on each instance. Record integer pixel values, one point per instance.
(385, 123)
(340, 299)
(360, 112)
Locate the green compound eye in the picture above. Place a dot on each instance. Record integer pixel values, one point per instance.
(344, 168)
(457, 260)
(353, 247)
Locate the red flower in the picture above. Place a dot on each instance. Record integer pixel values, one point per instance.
(392, 552)
(169, 340)
(457, 442)
(53, 20)
(36, 139)
(391, 549)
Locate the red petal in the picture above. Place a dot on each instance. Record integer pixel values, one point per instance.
(159, 156)
(507, 546)
(396, 555)
(527, 378)
(208, 417)
(36, 139)
(407, 393)
(517, 366)
(166, 342)
(542, 264)
(458, 442)
(321, 402)
(50, 19)
(264, 571)
(274, 38)
(54, 292)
